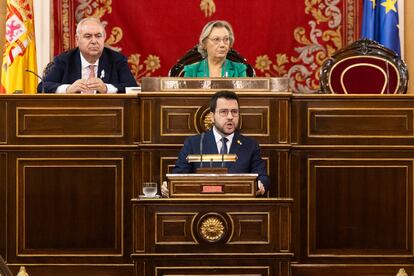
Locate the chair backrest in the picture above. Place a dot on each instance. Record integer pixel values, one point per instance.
(193, 56)
(4, 269)
(48, 68)
(364, 67)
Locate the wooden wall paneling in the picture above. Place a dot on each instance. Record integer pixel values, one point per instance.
(351, 172)
(169, 120)
(261, 265)
(79, 270)
(369, 199)
(3, 122)
(3, 204)
(350, 200)
(155, 163)
(248, 225)
(77, 200)
(177, 246)
(349, 269)
(65, 120)
(358, 121)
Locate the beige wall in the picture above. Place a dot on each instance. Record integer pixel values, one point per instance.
(2, 26)
(409, 40)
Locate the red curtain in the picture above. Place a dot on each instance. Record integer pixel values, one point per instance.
(279, 38)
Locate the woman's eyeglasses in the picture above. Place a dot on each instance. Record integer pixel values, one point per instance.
(216, 40)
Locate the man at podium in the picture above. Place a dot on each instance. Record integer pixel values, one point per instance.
(224, 138)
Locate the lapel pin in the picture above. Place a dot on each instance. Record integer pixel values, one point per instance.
(238, 142)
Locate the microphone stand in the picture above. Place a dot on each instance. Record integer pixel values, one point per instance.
(40, 78)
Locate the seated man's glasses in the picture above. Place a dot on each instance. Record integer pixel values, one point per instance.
(225, 112)
(216, 40)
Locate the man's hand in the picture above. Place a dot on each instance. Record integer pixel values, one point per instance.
(88, 86)
(77, 87)
(164, 189)
(96, 84)
(260, 189)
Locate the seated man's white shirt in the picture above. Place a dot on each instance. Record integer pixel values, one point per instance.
(85, 65)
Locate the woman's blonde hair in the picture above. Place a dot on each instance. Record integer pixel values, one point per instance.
(207, 31)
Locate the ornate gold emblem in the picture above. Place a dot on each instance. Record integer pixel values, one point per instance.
(208, 7)
(212, 228)
(207, 121)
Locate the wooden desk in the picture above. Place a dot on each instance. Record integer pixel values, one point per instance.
(218, 236)
(352, 180)
(346, 161)
(66, 170)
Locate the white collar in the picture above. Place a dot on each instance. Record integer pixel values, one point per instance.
(85, 63)
(218, 136)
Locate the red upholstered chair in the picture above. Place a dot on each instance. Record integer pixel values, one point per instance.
(193, 56)
(364, 67)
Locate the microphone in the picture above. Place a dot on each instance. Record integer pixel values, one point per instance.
(40, 78)
(201, 149)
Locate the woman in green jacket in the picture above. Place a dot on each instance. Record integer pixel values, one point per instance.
(215, 41)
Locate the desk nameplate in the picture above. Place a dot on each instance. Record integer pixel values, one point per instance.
(215, 84)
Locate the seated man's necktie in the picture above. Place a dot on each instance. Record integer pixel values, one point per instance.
(91, 75)
(92, 71)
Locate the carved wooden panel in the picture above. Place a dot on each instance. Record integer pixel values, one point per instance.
(178, 120)
(167, 120)
(197, 225)
(3, 122)
(69, 121)
(360, 122)
(249, 227)
(174, 228)
(353, 203)
(350, 269)
(76, 203)
(3, 202)
(352, 121)
(349, 200)
(205, 264)
(78, 270)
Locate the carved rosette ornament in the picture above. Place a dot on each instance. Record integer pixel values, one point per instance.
(212, 228)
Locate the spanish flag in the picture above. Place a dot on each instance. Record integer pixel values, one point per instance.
(19, 50)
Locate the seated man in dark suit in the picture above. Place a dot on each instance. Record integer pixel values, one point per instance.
(89, 68)
(225, 138)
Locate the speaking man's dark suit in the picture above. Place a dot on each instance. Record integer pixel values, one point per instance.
(113, 69)
(247, 150)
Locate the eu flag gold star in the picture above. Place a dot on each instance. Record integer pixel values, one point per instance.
(374, 3)
(389, 5)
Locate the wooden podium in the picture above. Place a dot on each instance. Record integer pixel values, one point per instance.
(212, 185)
(212, 224)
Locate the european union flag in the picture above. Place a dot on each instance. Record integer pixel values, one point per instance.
(380, 23)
